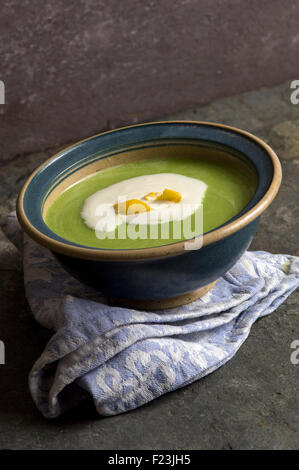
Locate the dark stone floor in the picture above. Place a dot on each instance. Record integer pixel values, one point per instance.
(250, 403)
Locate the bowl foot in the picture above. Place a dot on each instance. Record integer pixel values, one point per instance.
(163, 303)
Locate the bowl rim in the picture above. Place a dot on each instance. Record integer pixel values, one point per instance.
(162, 251)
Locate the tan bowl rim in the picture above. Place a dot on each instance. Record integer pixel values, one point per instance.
(176, 248)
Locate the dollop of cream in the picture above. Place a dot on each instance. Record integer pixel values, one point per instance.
(99, 212)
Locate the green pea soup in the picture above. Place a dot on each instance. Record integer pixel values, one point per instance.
(231, 184)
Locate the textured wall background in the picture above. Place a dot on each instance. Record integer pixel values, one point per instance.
(73, 68)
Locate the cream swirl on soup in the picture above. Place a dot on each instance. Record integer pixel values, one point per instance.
(148, 199)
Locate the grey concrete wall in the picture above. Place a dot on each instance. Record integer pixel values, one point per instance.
(73, 68)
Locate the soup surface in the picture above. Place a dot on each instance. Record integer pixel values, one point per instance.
(224, 188)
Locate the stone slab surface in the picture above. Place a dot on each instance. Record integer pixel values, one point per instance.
(72, 69)
(252, 402)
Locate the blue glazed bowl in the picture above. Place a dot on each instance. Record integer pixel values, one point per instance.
(163, 276)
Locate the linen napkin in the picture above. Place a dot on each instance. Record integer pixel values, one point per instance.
(123, 358)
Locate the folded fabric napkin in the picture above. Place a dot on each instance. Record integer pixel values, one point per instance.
(123, 358)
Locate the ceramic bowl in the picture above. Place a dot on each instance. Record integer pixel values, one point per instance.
(162, 276)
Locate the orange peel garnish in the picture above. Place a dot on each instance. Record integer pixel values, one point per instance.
(169, 195)
(151, 196)
(131, 207)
